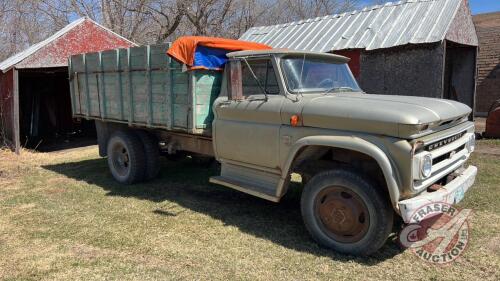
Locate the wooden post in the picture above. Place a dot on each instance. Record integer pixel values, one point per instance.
(15, 112)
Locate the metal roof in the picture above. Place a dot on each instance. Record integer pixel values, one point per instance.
(380, 26)
(252, 53)
(19, 57)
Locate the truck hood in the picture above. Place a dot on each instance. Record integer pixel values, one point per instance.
(398, 116)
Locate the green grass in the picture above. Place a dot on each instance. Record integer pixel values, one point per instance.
(63, 217)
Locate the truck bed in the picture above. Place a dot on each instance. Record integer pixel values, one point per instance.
(143, 87)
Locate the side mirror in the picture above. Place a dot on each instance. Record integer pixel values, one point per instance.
(235, 88)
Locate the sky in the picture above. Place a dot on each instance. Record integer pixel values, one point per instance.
(484, 6)
(477, 6)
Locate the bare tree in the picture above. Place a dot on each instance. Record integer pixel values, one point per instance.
(146, 20)
(209, 16)
(25, 22)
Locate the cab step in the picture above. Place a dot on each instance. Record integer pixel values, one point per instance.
(245, 187)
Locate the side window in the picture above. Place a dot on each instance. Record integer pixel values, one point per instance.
(264, 71)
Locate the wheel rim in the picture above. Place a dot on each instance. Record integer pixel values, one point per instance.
(342, 214)
(120, 159)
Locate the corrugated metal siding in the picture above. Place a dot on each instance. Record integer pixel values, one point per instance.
(381, 26)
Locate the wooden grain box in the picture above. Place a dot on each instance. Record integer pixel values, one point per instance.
(143, 87)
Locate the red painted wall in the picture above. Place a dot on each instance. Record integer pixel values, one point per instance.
(6, 92)
(84, 38)
(354, 55)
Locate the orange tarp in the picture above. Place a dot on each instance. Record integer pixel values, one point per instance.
(183, 49)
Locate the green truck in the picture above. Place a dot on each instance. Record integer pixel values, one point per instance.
(364, 159)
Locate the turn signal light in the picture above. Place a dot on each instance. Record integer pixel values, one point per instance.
(294, 120)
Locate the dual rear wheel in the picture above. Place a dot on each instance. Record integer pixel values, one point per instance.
(133, 156)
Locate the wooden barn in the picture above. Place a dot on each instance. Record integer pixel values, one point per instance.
(414, 47)
(35, 103)
(488, 62)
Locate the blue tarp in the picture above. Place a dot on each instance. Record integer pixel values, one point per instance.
(209, 58)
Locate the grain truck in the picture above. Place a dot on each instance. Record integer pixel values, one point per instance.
(365, 160)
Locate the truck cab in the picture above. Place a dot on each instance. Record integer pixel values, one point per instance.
(269, 115)
(363, 158)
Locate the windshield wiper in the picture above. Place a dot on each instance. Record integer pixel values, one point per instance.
(334, 89)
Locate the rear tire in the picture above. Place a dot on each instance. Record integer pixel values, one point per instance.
(126, 157)
(152, 154)
(346, 213)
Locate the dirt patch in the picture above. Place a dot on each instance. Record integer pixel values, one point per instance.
(480, 124)
(488, 149)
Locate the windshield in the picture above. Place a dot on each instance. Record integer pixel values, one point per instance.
(306, 75)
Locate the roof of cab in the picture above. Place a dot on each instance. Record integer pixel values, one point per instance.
(286, 52)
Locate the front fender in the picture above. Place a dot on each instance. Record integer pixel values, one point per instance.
(350, 143)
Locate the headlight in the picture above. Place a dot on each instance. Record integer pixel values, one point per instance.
(471, 143)
(426, 165)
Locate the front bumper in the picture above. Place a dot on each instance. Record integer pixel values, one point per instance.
(451, 193)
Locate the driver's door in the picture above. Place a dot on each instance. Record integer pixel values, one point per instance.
(247, 129)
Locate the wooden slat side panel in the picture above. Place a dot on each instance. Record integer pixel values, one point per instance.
(161, 99)
(159, 58)
(139, 96)
(92, 67)
(138, 58)
(206, 90)
(124, 83)
(113, 97)
(143, 86)
(82, 92)
(180, 97)
(77, 67)
(93, 90)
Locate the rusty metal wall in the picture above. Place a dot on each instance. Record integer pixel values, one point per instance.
(412, 71)
(354, 56)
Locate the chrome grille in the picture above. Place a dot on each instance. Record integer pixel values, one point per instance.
(440, 143)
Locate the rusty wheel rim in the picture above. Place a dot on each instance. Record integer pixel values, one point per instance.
(342, 214)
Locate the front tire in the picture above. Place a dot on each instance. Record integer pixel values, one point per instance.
(126, 157)
(346, 213)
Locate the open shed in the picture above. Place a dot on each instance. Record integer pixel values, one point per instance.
(414, 47)
(35, 102)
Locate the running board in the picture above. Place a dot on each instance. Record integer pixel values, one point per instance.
(244, 187)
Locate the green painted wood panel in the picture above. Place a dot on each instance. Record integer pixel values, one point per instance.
(142, 86)
(206, 90)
